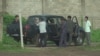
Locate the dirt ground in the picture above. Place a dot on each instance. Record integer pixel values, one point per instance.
(53, 51)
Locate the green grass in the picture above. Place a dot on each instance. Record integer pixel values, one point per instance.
(95, 36)
(9, 45)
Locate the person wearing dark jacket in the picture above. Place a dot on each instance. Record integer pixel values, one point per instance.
(70, 28)
(14, 29)
(16, 20)
(63, 32)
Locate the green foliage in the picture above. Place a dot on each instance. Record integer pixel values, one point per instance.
(95, 36)
(7, 19)
(8, 42)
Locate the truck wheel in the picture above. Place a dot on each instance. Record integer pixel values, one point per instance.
(79, 40)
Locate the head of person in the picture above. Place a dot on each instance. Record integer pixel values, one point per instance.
(86, 18)
(69, 17)
(16, 18)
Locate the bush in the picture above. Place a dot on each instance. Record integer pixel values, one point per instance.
(9, 18)
(7, 40)
(9, 43)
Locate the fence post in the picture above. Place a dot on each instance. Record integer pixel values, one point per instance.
(21, 26)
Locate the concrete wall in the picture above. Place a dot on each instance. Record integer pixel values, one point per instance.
(55, 7)
(93, 11)
(32, 7)
(0, 5)
(29, 7)
(93, 8)
(63, 7)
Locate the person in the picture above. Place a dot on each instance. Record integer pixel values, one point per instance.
(63, 32)
(87, 28)
(70, 28)
(36, 39)
(16, 29)
(16, 20)
(43, 31)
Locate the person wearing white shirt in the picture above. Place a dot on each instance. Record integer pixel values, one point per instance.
(87, 28)
(43, 31)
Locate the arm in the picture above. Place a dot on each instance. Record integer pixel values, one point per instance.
(89, 24)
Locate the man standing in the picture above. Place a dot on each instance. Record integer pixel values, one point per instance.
(43, 31)
(63, 36)
(16, 33)
(14, 29)
(87, 28)
(70, 28)
(16, 20)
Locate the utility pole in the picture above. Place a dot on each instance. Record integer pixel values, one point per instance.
(82, 11)
(20, 20)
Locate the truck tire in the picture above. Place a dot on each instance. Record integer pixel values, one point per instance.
(79, 40)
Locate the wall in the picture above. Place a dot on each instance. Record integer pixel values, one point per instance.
(0, 5)
(29, 7)
(32, 7)
(93, 11)
(55, 7)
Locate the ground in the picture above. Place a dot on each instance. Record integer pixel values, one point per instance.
(54, 51)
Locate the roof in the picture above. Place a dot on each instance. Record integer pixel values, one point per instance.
(46, 16)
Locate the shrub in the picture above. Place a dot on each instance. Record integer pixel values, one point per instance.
(9, 18)
(7, 40)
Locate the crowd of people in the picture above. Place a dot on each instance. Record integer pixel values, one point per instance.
(66, 28)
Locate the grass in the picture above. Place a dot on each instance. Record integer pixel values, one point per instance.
(95, 36)
(9, 45)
